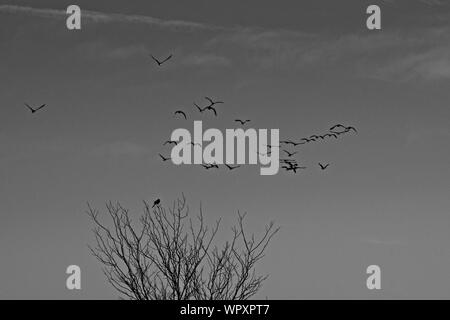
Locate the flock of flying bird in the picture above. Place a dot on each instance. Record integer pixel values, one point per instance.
(288, 163)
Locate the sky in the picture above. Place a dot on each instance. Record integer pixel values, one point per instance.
(297, 66)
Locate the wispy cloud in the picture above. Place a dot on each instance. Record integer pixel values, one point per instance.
(433, 64)
(396, 54)
(103, 17)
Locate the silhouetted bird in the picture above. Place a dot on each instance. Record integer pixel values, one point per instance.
(288, 161)
(331, 135)
(293, 168)
(290, 154)
(337, 126)
(157, 202)
(243, 122)
(351, 128)
(210, 166)
(296, 143)
(182, 113)
(323, 167)
(162, 61)
(163, 158)
(199, 109)
(36, 109)
(170, 142)
(231, 167)
(212, 109)
(212, 102)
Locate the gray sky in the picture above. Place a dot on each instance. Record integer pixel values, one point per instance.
(298, 66)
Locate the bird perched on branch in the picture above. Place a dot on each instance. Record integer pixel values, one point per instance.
(157, 202)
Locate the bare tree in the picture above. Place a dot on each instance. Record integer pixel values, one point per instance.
(171, 256)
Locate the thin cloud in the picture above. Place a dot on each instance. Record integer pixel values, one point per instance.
(102, 17)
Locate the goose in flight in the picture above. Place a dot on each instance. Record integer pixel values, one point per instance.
(160, 62)
(212, 109)
(242, 122)
(288, 161)
(164, 158)
(212, 102)
(199, 109)
(323, 167)
(347, 129)
(231, 167)
(170, 142)
(296, 143)
(293, 168)
(290, 154)
(210, 166)
(338, 126)
(182, 113)
(33, 110)
(157, 202)
(330, 135)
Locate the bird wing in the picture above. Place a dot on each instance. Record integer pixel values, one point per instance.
(168, 58)
(210, 100)
(29, 107)
(214, 110)
(41, 107)
(200, 109)
(181, 112)
(156, 60)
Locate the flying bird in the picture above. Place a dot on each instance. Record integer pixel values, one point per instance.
(212, 102)
(243, 122)
(331, 135)
(33, 110)
(157, 202)
(293, 168)
(199, 109)
(351, 128)
(210, 166)
(289, 154)
(231, 167)
(212, 109)
(182, 113)
(323, 167)
(164, 158)
(337, 126)
(160, 62)
(170, 142)
(296, 143)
